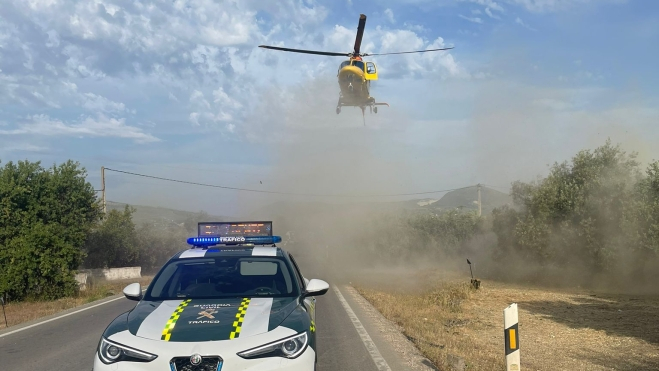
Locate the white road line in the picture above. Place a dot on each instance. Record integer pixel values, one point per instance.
(62, 316)
(380, 363)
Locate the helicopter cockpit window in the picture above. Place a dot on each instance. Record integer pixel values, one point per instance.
(370, 67)
(345, 63)
(358, 64)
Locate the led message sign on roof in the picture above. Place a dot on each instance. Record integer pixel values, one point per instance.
(235, 229)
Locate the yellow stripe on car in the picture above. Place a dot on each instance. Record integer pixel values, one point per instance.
(167, 332)
(240, 316)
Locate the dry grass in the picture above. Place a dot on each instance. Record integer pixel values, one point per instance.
(435, 322)
(567, 330)
(27, 311)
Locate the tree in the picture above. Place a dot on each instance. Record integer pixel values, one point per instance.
(450, 229)
(581, 213)
(642, 222)
(157, 246)
(45, 216)
(113, 243)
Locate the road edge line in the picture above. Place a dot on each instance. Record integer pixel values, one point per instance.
(372, 349)
(414, 355)
(102, 302)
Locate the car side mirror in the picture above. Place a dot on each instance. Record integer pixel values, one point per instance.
(316, 288)
(133, 291)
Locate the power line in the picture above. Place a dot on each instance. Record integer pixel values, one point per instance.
(281, 193)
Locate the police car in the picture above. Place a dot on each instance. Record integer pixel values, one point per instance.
(232, 301)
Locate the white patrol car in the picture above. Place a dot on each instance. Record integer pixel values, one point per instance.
(234, 301)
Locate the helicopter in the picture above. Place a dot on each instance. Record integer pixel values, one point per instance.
(354, 74)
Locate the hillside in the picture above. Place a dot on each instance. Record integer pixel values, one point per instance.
(160, 216)
(467, 199)
(464, 199)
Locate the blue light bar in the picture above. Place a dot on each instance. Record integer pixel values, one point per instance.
(236, 240)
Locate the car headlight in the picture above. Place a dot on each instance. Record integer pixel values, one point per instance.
(290, 347)
(110, 352)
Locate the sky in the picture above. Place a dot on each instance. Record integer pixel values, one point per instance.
(179, 89)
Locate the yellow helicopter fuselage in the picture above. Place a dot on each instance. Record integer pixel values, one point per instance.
(354, 77)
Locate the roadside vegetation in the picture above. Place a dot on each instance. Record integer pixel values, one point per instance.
(52, 225)
(592, 221)
(596, 218)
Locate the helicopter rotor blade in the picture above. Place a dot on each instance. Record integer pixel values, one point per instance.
(360, 33)
(305, 51)
(416, 51)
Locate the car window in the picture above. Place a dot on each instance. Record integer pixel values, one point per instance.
(224, 277)
(301, 282)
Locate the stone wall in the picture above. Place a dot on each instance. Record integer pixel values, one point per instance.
(110, 274)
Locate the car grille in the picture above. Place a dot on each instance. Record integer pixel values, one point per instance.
(207, 364)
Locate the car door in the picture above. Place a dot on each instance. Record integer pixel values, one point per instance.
(309, 301)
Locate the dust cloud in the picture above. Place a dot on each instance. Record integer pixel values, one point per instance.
(343, 166)
(339, 168)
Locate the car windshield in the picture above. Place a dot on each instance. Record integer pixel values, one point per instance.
(222, 277)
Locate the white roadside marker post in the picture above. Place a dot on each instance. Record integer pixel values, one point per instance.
(511, 337)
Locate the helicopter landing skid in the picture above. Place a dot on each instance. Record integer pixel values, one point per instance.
(371, 105)
(374, 108)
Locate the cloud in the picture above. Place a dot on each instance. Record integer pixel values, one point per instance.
(588, 76)
(439, 64)
(545, 6)
(389, 14)
(488, 11)
(472, 19)
(519, 21)
(489, 5)
(97, 103)
(486, 3)
(221, 98)
(23, 147)
(88, 127)
(415, 27)
(212, 114)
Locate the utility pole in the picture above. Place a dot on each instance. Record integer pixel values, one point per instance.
(103, 189)
(479, 198)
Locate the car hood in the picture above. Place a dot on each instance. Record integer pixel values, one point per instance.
(208, 319)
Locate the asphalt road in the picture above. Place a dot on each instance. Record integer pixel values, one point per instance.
(69, 343)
